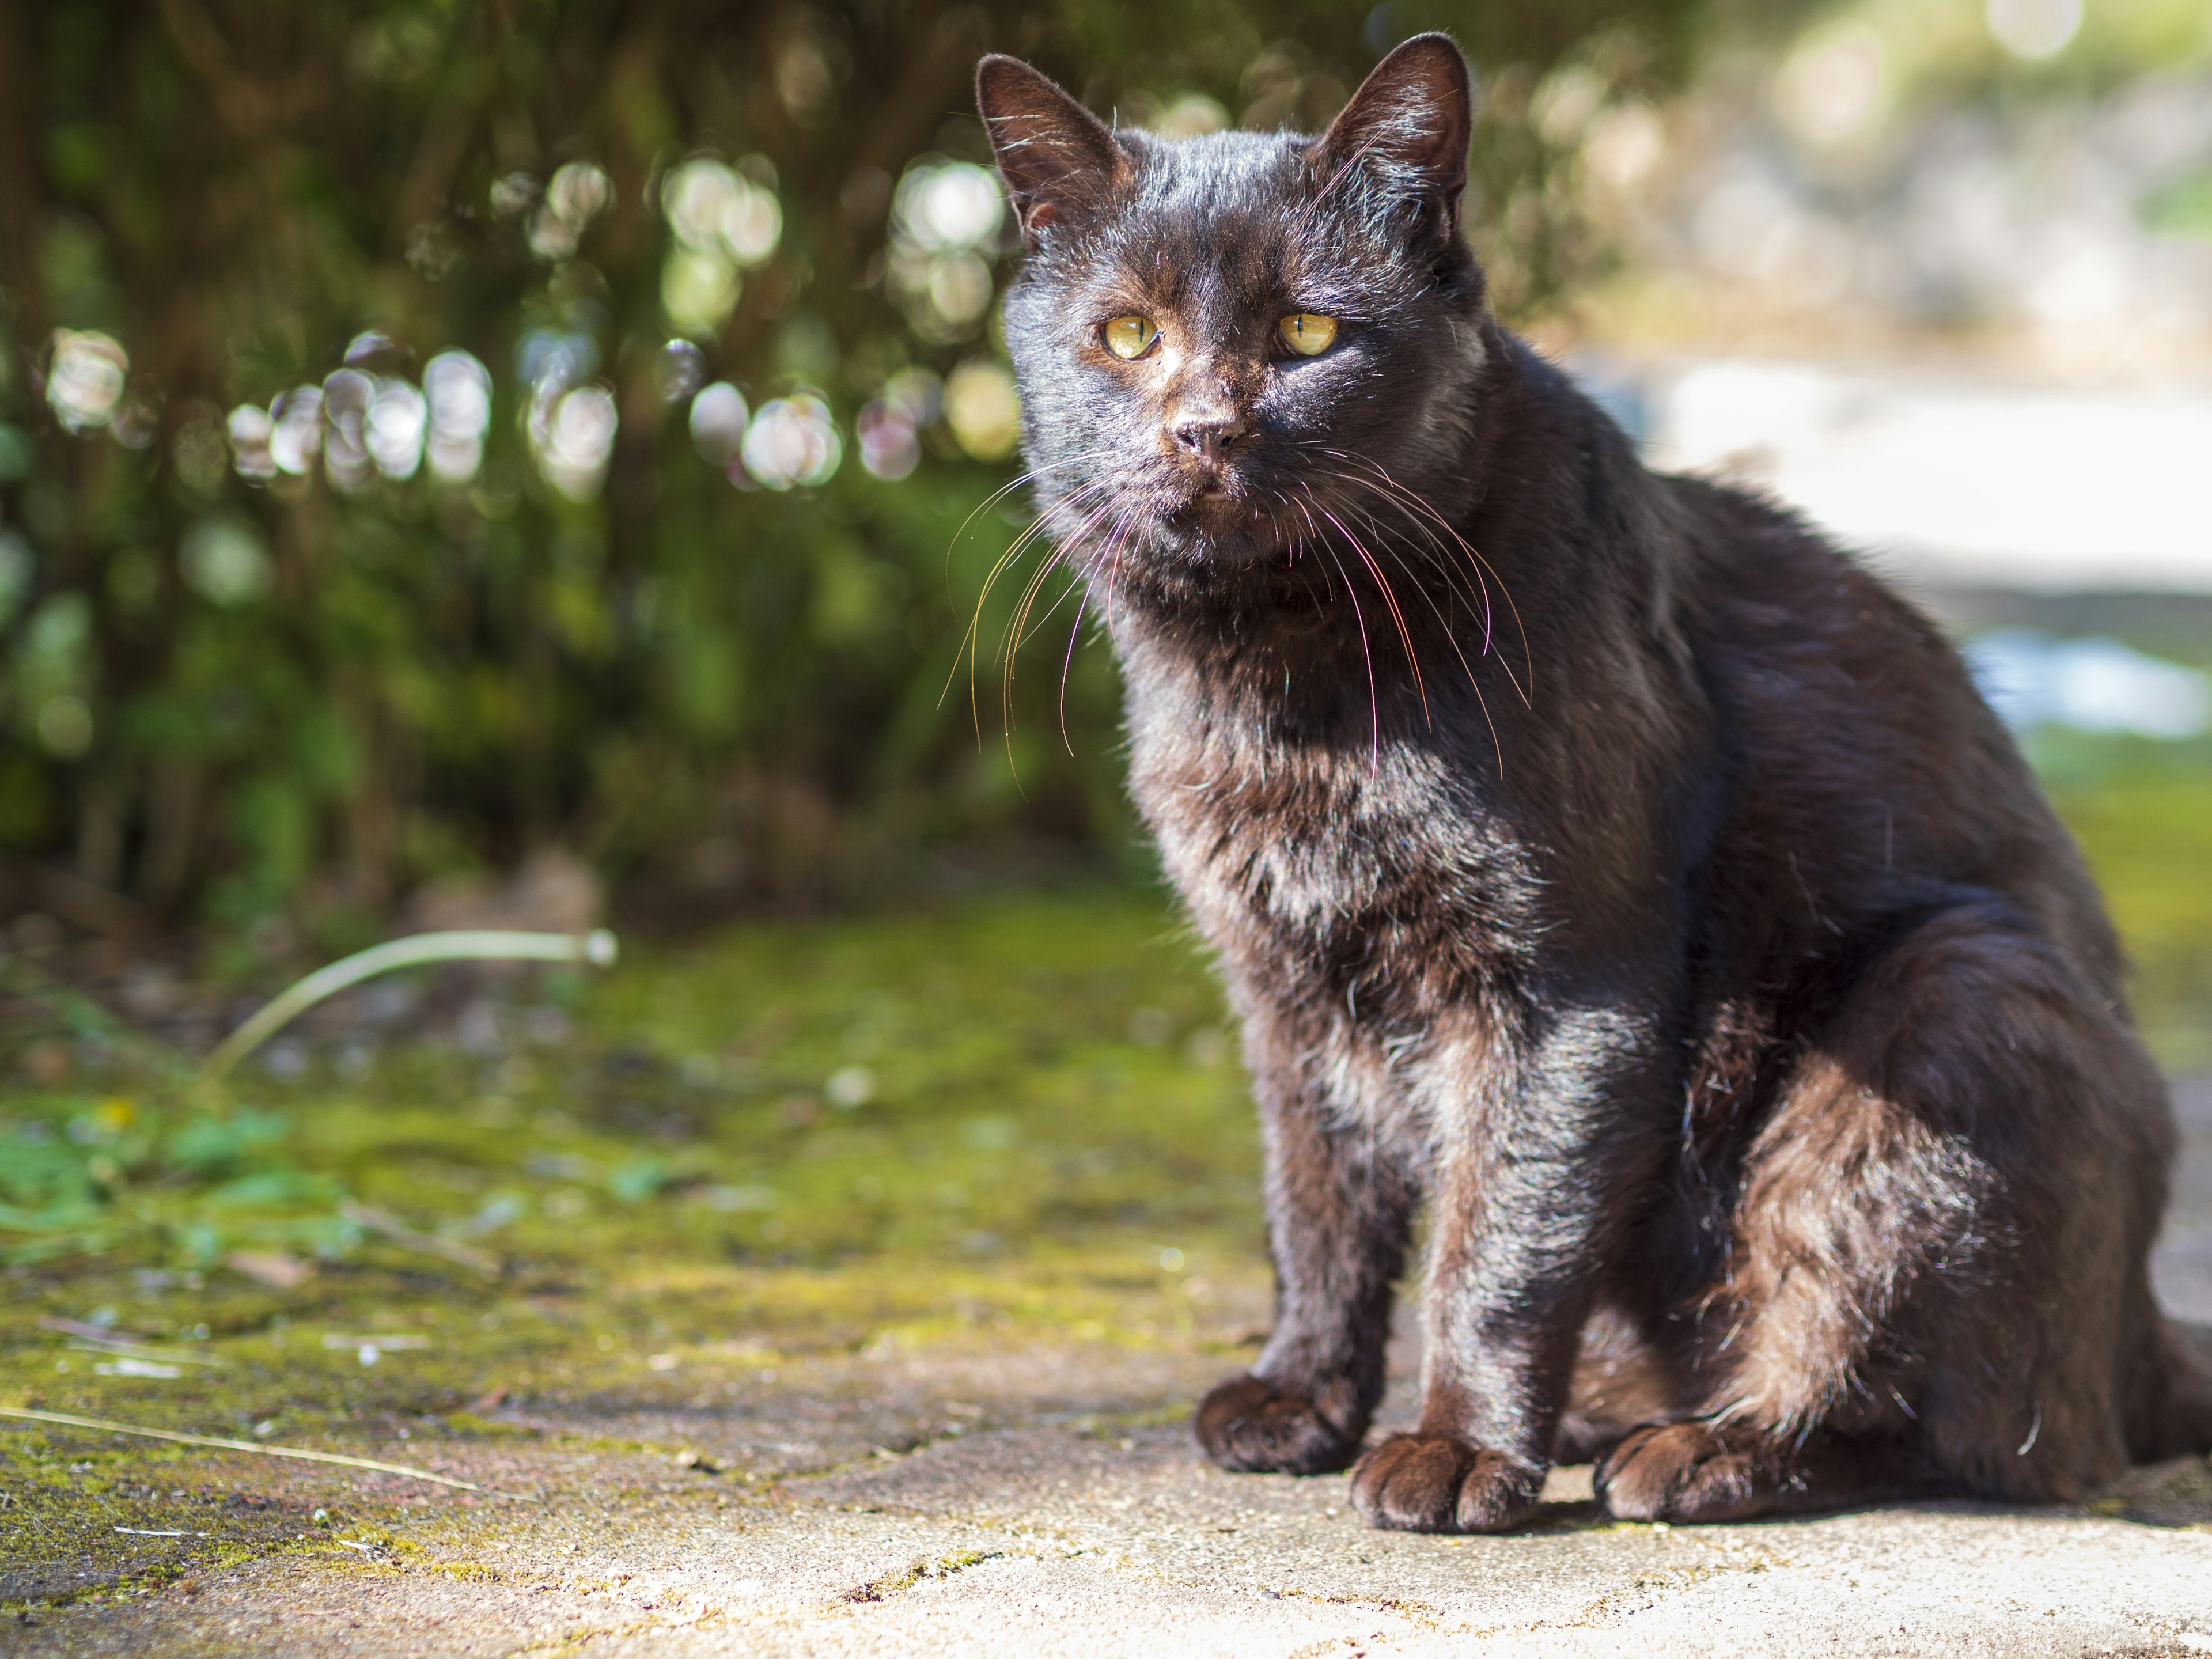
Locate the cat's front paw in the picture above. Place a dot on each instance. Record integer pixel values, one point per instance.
(1435, 1483)
(1248, 1425)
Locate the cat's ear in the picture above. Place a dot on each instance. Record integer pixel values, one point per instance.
(1057, 158)
(1409, 124)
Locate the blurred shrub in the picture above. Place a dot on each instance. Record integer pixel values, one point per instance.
(429, 431)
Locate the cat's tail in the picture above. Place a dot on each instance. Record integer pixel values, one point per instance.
(2173, 1403)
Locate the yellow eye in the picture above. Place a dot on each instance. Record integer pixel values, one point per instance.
(1131, 337)
(1307, 333)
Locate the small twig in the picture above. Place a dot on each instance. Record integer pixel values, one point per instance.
(89, 1341)
(391, 1226)
(597, 947)
(78, 1327)
(221, 1444)
(148, 1532)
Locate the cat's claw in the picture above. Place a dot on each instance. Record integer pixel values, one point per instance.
(1248, 1425)
(1436, 1483)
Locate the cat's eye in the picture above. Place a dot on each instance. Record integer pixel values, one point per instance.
(1308, 332)
(1131, 337)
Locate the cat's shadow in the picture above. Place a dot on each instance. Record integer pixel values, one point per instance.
(2174, 1493)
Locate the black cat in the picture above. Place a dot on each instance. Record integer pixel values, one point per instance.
(1598, 858)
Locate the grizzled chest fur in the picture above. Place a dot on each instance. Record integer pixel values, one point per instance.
(1369, 877)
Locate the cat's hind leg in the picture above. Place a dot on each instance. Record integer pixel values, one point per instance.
(1937, 1275)
(1622, 1381)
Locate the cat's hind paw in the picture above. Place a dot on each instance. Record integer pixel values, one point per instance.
(1435, 1483)
(1248, 1425)
(1682, 1472)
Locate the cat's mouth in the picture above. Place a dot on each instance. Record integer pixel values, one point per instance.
(1219, 508)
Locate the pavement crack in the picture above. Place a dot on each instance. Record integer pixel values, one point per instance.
(942, 1566)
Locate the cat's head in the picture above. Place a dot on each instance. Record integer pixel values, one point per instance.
(1238, 348)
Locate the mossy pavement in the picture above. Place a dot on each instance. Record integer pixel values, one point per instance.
(832, 1288)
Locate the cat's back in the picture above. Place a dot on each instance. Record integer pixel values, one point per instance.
(1864, 762)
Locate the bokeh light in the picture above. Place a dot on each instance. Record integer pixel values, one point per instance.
(793, 441)
(572, 433)
(725, 221)
(65, 725)
(1831, 86)
(223, 561)
(2034, 30)
(397, 417)
(946, 221)
(296, 432)
(347, 397)
(457, 389)
(983, 408)
(576, 194)
(890, 426)
(250, 430)
(1193, 115)
(198, 451)
(679, 370)
(719, 418)
(698, 289)
(944, 205)
(85, 380)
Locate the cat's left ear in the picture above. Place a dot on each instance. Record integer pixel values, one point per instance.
(1057, 158)
(1409, 124)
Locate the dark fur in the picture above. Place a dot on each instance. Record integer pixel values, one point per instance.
(1683, 933)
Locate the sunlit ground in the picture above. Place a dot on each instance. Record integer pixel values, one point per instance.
(1021, 1120)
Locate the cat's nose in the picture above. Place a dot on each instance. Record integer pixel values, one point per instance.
(1208, 433)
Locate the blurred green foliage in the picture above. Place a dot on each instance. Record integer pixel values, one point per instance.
(2140, 810)
(1019, 1074)
(299, 694)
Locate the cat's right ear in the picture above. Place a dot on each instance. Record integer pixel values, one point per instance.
(1057, 158)
(1409, 125)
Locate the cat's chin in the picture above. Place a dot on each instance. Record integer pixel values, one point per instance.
(1222, 532)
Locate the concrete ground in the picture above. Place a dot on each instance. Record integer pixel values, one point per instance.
(970, 1500)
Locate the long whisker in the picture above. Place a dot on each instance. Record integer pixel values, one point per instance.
(966, 648)
(1465, 579)
(1454, 576)
(1083, 580)
(1068, 663)
(1009, 635)
(1367, 650)
(1313, 531)
(1020, 545)
(1010, 644)
(1389, 598)
(1415, 499)
(999, 494)
(970, 640)
(1078, 572)
(1451, 639)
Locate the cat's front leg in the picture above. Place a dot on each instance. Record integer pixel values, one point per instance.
(1339, 1213)
(1541, 1161)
